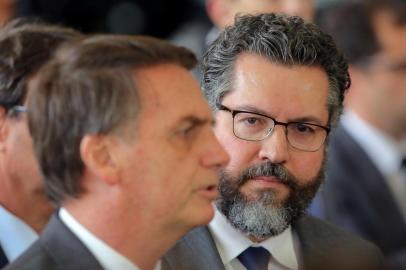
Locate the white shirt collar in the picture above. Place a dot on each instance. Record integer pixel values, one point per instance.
(109, 258)
(230, 243)
(15, 235)
(384, 151)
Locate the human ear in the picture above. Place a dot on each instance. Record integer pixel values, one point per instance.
(97, 154)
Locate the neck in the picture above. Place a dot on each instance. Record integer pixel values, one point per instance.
(33, 209)
(388, 126)
(142, 242)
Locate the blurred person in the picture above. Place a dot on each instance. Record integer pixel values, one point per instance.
(198, 36)
(130, 171)
(364, 191)
(222, 12)
(24, 208)
(276, 86)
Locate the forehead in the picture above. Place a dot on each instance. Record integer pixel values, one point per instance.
(284, 92)
(169, 92)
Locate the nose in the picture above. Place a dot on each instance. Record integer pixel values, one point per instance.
(275, 147)
(215, 156)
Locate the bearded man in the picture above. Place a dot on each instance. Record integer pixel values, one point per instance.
(276, 86)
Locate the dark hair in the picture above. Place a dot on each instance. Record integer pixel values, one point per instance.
(25, 45)
(281, 39)
(355, 34)
(89, 88)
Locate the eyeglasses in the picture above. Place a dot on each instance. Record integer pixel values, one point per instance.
(16, 110)
(252, 126)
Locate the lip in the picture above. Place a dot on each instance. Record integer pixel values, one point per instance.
(266, 181)
(210, 192)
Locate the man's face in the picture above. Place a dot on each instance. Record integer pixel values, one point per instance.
(171, 165)
(267, 184)
(23, 188)
(386, 77)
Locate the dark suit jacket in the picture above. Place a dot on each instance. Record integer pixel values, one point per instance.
(3, 258)
(356, 197)
(322, 246)
(57, 248)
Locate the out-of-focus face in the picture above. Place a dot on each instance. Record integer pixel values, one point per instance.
(170, 168)
(22, 187)
(265, 178)
(386, 77)
(302, 8)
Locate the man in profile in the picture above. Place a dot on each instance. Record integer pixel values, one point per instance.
(125, 143)
(24, 208)
(276, 85)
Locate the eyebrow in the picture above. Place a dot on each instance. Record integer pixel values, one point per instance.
(303, 119)
(197, 121)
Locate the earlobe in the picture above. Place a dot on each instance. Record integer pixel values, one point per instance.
(96, 154)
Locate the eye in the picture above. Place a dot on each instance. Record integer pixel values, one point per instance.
(302, 128)
(251, 121)
(186, 131)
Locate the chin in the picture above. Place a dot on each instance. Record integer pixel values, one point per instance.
(201, 216)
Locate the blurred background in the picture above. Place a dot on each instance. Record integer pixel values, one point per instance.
(160, 18)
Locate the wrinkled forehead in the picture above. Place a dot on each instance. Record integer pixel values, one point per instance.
(287, 91)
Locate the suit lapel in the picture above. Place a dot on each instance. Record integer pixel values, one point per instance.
(311, 246)
(195, 251)
(3, 258)
(65, 248)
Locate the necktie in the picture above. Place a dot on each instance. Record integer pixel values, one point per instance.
(3, 259)
(255, 258)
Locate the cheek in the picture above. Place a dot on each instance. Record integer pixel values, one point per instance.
(172, 180)
(306, 165)
(242, 153)
(22, 149)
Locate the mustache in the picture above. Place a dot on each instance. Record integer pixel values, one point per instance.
(267, 169)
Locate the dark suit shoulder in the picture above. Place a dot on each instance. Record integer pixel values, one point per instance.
(325, 245)
(34, 258)
(311, 227)
(195, 251)
(57, 248)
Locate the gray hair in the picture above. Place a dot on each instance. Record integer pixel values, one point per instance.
(281, 39)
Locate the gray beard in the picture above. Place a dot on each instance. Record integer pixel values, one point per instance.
(264, 216)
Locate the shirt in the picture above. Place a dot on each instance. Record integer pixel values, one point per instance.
(109, 258)
(15, 235)
(230, 242)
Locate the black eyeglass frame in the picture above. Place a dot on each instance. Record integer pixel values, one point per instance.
(221, 107)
